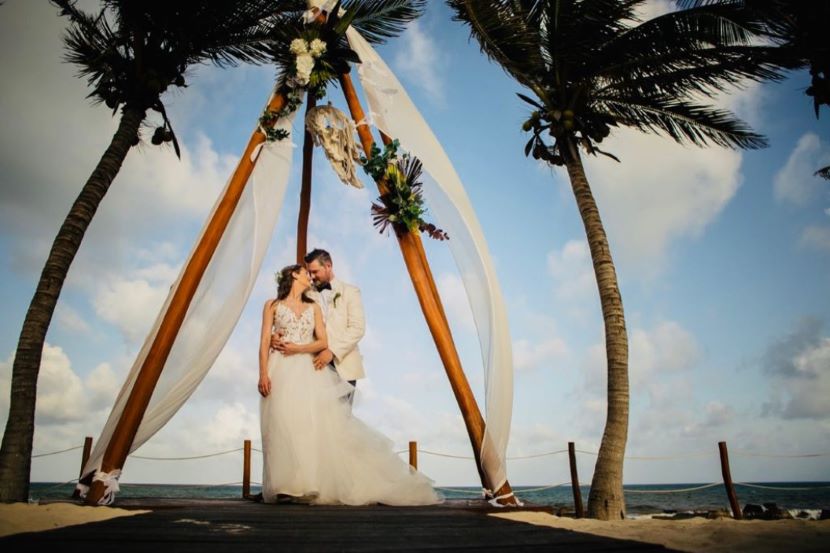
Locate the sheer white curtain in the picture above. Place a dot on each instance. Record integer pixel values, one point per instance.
(219, 299)
(394, 113)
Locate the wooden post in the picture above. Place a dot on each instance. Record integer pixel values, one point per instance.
(424, 284)
(246, 469)
(413, 455)
(580, 512)
(76, 494)
(727, 481)
(305, 188)
(124, 433)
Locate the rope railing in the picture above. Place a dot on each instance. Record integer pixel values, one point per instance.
(57, 452)
(681, 490)
(207, 455)
(738, 453)
(575, 484)
(785, 488)
(744, 453)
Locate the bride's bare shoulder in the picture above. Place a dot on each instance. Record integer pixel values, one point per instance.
(270, 305)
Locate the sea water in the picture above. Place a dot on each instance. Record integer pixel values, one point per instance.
(642, 500)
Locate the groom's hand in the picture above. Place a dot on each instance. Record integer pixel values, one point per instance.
(323, 359)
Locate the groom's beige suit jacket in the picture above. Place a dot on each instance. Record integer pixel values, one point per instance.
(345, 326)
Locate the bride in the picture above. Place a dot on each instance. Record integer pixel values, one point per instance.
(313, 447)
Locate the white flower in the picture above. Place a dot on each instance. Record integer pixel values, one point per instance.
(317, 48)
(299, 47)
(305, 63)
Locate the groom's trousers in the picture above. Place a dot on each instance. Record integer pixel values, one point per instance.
(350, 397)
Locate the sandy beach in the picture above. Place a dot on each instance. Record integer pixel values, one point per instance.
(699, 535)
(21, 517)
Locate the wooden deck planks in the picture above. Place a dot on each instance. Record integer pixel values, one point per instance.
(238, 526)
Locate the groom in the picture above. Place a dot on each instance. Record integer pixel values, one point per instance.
(343, 312)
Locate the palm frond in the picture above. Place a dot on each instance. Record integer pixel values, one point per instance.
(506, 33)
(684, 73)
(380, 20)
(683, 121)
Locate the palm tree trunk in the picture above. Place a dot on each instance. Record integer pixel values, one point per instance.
(16, 451)
(605, 501)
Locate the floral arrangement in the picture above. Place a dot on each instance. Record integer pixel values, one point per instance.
(402, 206)
(311, 56)
(306, 52)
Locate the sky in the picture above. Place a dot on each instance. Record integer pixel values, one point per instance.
(723, 259)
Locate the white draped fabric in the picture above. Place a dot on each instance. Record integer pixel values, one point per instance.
(219, 299)
(394, 113)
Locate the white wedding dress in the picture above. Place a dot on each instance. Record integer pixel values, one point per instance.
(312, 445)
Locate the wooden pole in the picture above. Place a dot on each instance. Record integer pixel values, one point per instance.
(305, 189)
(727, 481)
(150, 371)
(413, 455)
(246, 469)
(580, 512)
(424, 284)
(76, 494)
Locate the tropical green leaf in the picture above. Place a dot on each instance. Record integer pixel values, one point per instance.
(380, 20)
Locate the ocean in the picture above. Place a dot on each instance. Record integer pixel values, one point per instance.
(801, 499)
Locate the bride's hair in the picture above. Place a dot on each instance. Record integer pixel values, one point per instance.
(285, 278)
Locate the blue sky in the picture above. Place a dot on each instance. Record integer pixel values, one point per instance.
(723, 259)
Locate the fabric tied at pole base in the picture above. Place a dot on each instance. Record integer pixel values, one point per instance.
(111, 487)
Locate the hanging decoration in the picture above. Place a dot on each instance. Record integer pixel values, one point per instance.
(334, 131)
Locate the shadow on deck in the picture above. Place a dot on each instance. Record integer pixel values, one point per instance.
(208, 526)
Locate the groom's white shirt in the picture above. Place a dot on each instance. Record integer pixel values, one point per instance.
(345, 326)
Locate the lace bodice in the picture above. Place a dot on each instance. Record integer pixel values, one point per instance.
(299, 330)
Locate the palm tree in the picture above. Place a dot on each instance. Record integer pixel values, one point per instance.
(130, 53)
(799, 29)
(590, 66)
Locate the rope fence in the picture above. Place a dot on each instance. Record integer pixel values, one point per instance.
(413, 451)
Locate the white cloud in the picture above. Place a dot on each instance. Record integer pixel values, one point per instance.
(70, 319)
(229, 426)
(795, 182)
(531, 355)
(131, 305)
(816, 237)
(60, 393)
(102, 386)
(805, 391)
(661, 192)
(573, 271)
(653, 355)
(419, 62)
(53, 143)
(718, 414)
(454, 297)
(799, 364)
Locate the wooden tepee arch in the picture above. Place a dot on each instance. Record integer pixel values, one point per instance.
(119, 445)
